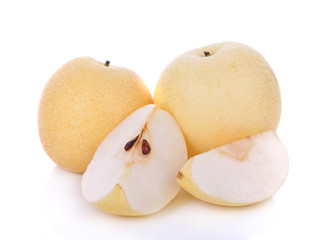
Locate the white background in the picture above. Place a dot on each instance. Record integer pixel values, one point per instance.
(41, 201)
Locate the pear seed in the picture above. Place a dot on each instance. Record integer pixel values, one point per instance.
(146, 149)
(130, 144)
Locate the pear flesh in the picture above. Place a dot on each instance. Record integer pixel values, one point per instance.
(134, 169)
(240, 173)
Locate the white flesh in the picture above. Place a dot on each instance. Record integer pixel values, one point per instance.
(245, 171)
(148, 181)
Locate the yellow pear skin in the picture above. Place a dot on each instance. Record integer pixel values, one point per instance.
(218, 94)
(81, 103)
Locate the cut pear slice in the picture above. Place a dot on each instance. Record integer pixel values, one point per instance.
(134, 169)
(240, 173)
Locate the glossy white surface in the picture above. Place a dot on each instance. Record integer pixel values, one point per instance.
(42, 201)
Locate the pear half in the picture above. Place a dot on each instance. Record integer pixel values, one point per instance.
(241, 173)
(134, 169)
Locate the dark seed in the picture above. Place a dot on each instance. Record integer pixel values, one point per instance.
(206, 53)
(107, 63)
(130, 144)
(146, 149)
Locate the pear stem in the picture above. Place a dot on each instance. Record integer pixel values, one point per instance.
(206, 53)
(107, 63)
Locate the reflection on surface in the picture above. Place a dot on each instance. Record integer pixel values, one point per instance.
(69, 216)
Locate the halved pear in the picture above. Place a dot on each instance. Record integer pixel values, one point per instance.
(241, 173)
(134, 169)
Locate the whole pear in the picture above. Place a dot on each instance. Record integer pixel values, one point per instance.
(219, 94)
(81, 103)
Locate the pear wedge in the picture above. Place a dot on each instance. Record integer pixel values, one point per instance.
(134, 169)
(241, 173)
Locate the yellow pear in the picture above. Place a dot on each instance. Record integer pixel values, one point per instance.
(218, 94)
(81, 103)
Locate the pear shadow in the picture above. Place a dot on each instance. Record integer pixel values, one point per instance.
(180, 201)
(201, 220)
(69, 216)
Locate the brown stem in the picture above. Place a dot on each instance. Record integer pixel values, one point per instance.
(107, 63)
(206, 53)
